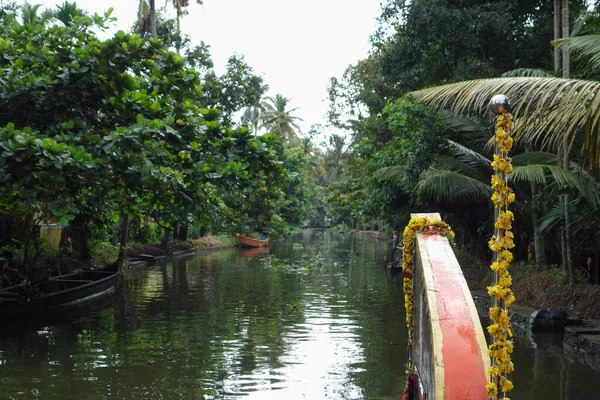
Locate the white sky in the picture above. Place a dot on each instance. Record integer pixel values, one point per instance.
(295, 45)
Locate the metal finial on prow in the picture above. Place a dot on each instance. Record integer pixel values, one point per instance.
(500, 104)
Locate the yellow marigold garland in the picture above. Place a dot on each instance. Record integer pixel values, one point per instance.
(416, 224)
(501, 347)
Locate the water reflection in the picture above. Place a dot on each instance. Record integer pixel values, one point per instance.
(225, 326)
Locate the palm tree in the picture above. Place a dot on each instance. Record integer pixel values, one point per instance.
(566, 253)
(147, 15)
(279, 120)
(314, 156)
(252, 116)
(147, 18)
(551, 110)
(66, 12)
(336, 155)
(180, 6)
(30, 15)
(462, 177)
(556, 33)
(554, 110)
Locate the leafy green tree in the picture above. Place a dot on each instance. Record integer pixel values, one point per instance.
(239, 87)
(112, 128)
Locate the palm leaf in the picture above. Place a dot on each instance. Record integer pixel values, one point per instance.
(564, 179)
(548, 109)
(458, 123)
(583, 47)
(452, 187)
(529, 173)
(468, 156)
(552, 218)
(527, 72)
(534, 157)
(393, 175)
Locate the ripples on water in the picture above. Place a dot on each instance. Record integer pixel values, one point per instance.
(224, 326)
(227, 326)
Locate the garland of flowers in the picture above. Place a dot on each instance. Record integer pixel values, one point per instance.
(416, 224)
(501, 347)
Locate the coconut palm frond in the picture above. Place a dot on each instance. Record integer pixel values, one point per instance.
(567, 180)
(66, 12)
(459, 123)
(527, 72)
(583, 47)
(445, 163)
(550, 109)
(468, 156)
(529, 173)
(452, 187)
(583, 218)
(552, 217)
(534, 157)
(587, 185)
(562, 178)
(580, 23)
(393, 175)
(30, 14)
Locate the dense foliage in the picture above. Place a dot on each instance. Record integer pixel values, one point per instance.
(405, 157)
(98, 133)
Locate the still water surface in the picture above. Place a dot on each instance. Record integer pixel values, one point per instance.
(315, 317)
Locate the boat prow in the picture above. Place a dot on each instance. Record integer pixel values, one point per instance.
(450, 357)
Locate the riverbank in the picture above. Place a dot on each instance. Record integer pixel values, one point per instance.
(547, 289)
(138, 253)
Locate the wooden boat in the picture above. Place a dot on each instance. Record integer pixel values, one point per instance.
(450, 358)
(245, 241)
(60, 292)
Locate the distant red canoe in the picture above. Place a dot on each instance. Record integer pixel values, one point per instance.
(245, 241)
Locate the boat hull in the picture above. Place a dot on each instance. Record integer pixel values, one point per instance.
(245, 241)
(59, 293)
(450, 357)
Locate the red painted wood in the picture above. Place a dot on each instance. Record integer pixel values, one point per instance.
(464, 374)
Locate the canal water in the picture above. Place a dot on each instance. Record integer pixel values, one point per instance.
(314, 317)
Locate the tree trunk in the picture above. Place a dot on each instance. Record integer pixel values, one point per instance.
(566, 74)
(178, 42)
(556, 34)
(538, 238)
(153, 18)
(565, 34)
(123, 239)
(183, 232)
(165, 239)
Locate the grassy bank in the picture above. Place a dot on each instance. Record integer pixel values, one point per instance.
(204, 242)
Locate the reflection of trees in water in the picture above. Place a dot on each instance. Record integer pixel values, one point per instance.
(188, 328)
(545, 373)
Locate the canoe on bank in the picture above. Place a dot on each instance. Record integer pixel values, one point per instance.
(62, 291)
(245, 241)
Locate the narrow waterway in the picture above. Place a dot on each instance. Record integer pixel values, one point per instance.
(315, 317)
